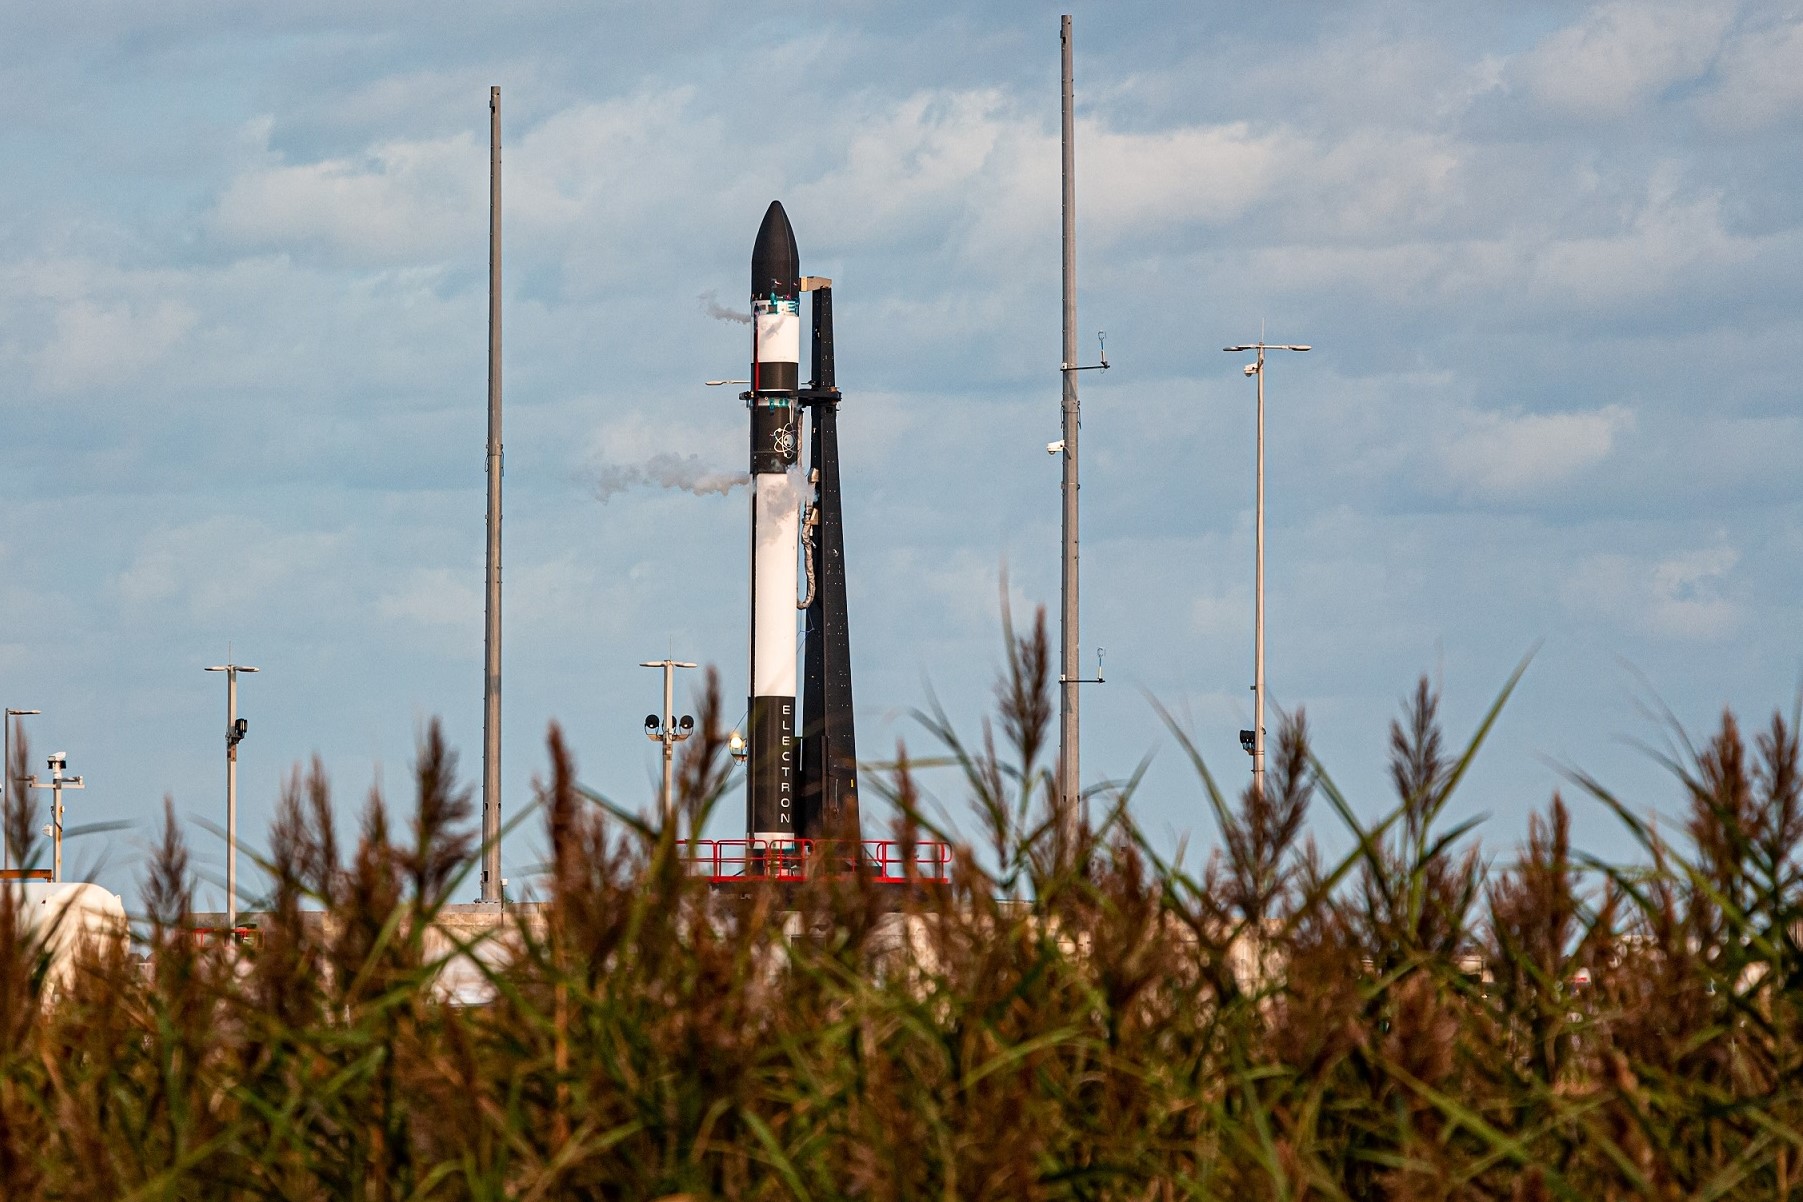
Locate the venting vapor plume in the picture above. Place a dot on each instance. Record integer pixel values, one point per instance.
(686, 472)
(710, 304)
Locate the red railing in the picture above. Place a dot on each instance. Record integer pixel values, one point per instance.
(888, 861)
(244, 936)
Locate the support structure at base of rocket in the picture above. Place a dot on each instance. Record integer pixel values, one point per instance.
(801, 775)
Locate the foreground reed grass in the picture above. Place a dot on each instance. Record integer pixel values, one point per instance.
(1400, 1023)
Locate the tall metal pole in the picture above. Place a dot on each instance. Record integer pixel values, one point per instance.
(234, 734)
(6, 784)
(1070, 781)
(231, 799)
(669, 747)
(56, 784)
(491, 669)
(1258, 589)
(1258, 634)
(671, 731)
(56, 820)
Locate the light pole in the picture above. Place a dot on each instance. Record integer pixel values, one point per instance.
(671, 730)
(56, 784)
(1257, 369)
(6, 772)
(235, 730)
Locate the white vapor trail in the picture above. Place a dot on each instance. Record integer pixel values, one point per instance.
(686, 472)
(710, 304)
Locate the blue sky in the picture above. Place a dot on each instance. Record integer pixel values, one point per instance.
(1550, 257)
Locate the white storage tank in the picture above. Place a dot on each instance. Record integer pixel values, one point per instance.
(67, 915)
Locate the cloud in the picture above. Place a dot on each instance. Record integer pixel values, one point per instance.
(1494, 456)
(96, 344)
(1759, 77)
(440, 599)
(440, 609)
(1676, 597)
(1221, 615)
(222, 566)
(395, 202)
(976, 163)
(1193, 173)
(1620, 55)
(1508, 307)
(1666, 250)
(1670, 238)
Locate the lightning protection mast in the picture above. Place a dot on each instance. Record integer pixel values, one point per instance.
(491, 640)
(1070, 781)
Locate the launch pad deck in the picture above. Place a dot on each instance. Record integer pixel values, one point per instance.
(882, 861)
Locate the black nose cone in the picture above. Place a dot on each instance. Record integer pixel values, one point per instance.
(775, 263)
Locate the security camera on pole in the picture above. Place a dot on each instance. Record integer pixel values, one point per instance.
(235, 730)
(672, 730)
(58, 763)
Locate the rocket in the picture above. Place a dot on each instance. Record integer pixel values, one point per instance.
(801, 783)
(774, 753)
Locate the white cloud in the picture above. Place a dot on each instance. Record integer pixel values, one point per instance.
(1389, 187)
(1682, 596)
(914, 161)
(223, 566)
(1622, 54)
(1669, 236)
(1497, 456)
(1378, 183)
(95, 344)
(396, 201)
(1759, 77)
(607, 162)
(974, 162)
(1221, 615)
(1206, 173)
(440, 609)
(1673, 247)
(445, 601)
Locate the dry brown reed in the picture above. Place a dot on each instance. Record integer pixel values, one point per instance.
(1398, 1023)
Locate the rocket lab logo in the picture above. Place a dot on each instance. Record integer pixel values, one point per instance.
(783, 442)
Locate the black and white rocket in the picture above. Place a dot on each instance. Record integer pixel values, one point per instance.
(801, 784)
(775, 528)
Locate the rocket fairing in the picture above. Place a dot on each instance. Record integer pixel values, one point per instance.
(771, 809)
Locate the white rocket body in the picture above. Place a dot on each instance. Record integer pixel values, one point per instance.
(775, 546)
